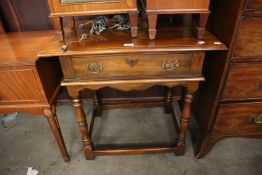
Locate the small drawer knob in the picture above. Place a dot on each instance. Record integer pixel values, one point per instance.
(256, 119)
(170, 65)
(94, 68)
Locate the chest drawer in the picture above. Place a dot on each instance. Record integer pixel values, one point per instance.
(249, 40)
(132, 65)
(244, 81)
(240, 118)
(254, 4)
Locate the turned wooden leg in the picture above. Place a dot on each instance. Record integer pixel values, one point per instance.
(59, 28)
(169, 100)
(184, 125)
(54, 125)
(201, 30)
(97, 104)
(133, 18)
(152, 22)
(83, 126)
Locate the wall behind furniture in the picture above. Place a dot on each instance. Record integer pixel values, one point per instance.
(25, 15)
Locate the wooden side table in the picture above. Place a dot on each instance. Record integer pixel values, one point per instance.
(123, 63)
(28, 84)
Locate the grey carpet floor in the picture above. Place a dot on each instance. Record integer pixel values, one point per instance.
(30, 144)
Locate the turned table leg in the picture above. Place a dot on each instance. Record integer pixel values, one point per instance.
(83, 126)
(59, 27)
(184, 124)
(152, 22)
(97, 104)
(169, 100)
(201, 30)
(133, 18)
(50, 114)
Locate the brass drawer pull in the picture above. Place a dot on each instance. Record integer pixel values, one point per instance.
(170, 65)
(257, 119)
(94, 68)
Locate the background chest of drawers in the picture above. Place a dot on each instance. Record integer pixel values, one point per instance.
(233, 90)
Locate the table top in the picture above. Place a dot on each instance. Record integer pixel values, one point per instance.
(169, 38)
(24, 48)
(21, 48)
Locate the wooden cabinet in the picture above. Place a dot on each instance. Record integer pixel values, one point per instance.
(232, 93)
(60, 9)
(156, 7)
(29, 84)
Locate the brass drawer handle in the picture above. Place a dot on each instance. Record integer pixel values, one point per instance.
(257, 119)
(170, 65)
(94, 68)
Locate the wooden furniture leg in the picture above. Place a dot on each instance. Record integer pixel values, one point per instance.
(201, 30)
(82, 123)
(169, 101)
(184, 124)
(152, 21)
(97, 105)
(133, 18)
(83, 126)
(59, 27)
(50, 115)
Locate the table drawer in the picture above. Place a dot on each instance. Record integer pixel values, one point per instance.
(254, 4)
(239, 118)
(244, 82)
(137, 65)
(249, 40)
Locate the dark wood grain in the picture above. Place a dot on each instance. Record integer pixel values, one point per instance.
(244, 82)
(236, 119)
(249, 40)
(254, 4)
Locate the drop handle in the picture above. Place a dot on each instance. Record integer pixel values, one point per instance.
(94, 68)
(256, 119)
(170, 65)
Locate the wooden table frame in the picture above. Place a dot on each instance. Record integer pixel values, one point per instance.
(191, 84)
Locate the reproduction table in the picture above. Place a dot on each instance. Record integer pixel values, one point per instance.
(117, 61)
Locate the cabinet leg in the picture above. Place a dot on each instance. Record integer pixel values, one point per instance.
(59, 28)
(133, 18)
(54, 125)
(201, 30)
(97, 105)
(152, 22)
(169, 100)
(202, 148)
(184, 125)
(83, 126)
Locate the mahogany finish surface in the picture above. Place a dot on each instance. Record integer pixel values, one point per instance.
(156, 7)
(232, 92)
(28, 84)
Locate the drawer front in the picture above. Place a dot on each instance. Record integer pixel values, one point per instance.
(254, 4)
(244, 81)
(249, 39)
(141, 65)
(241, 118)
